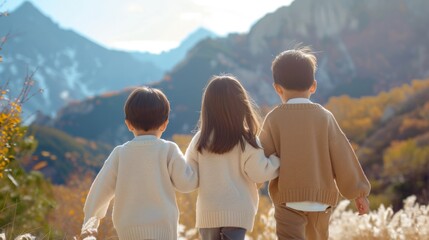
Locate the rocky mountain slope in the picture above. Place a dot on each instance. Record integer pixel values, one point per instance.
(363, 47)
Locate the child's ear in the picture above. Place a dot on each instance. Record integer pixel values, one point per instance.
(129, 126)
(313, 87)
(163, 126)
(278, 88)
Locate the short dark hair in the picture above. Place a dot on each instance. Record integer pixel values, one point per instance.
(146, 108)
(295, 69)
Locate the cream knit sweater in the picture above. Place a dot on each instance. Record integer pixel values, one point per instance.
(227, 193)
(142, 175)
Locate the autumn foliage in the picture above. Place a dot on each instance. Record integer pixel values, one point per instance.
(390, 134)
(358, 116)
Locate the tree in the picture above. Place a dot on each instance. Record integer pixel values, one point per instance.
(25, 198)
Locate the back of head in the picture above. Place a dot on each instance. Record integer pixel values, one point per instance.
(227, 116)
(146, 108)
(295, 69)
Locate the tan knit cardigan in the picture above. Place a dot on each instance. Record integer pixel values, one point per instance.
(317, 161)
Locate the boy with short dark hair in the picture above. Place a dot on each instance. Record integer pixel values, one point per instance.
(142, 175)
(317, 161)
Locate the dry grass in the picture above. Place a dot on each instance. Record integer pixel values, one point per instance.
(409, 223)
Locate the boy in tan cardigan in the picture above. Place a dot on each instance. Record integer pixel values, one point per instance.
(317, 162)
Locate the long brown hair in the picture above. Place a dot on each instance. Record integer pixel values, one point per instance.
(228, 116)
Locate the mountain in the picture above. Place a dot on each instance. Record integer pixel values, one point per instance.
(363, 47)
(100, 118)
(67, 66)
(168, 59)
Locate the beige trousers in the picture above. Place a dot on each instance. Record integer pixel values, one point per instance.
(300, 225)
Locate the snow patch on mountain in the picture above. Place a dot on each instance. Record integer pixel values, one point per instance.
(41, 80)
(13, 70)
(70, 52)
(40, 60)
(72, 75)
(65, 95)
(51, 72)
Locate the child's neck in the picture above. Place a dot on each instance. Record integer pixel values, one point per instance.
(290, 94)
(156, 133)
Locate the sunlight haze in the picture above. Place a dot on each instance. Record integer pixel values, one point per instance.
(153, 26)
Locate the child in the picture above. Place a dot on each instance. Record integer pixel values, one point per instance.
(141, 175)
(230, 161)
(316, 159)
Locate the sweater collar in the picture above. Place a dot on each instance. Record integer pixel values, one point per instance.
(298, 100)
(144, 138)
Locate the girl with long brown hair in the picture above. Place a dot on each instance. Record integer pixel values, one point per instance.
(230, 161)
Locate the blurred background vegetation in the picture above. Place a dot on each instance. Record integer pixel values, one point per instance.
(48, 164)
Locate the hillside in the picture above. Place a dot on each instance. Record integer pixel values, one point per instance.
(391, 135)
(59, 155)
(101, 118)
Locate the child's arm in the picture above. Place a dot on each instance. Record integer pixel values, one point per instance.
(191, 156)
(183, 174)
(349, 176)
(87, 236)
(362, 205)
(100, 194)
(259, 168)
(266, 138)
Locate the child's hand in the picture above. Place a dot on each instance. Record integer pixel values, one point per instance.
(362, 205)
(90, 238)
(87, 235)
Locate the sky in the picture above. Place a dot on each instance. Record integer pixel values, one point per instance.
(151, 25)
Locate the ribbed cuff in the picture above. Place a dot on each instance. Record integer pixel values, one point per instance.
(159, 232)
(299, 195)
(216, 219)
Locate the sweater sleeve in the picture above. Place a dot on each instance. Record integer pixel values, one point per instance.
(101, 193)
(257, 167)
(349, 176)
(191, 155)
(266, 137)
(183, 174)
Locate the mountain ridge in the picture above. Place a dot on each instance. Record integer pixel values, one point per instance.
(367, 52)
(66, 65)
(166, 60)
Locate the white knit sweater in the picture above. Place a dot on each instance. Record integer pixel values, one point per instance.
(142, 175)
(227, 193)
